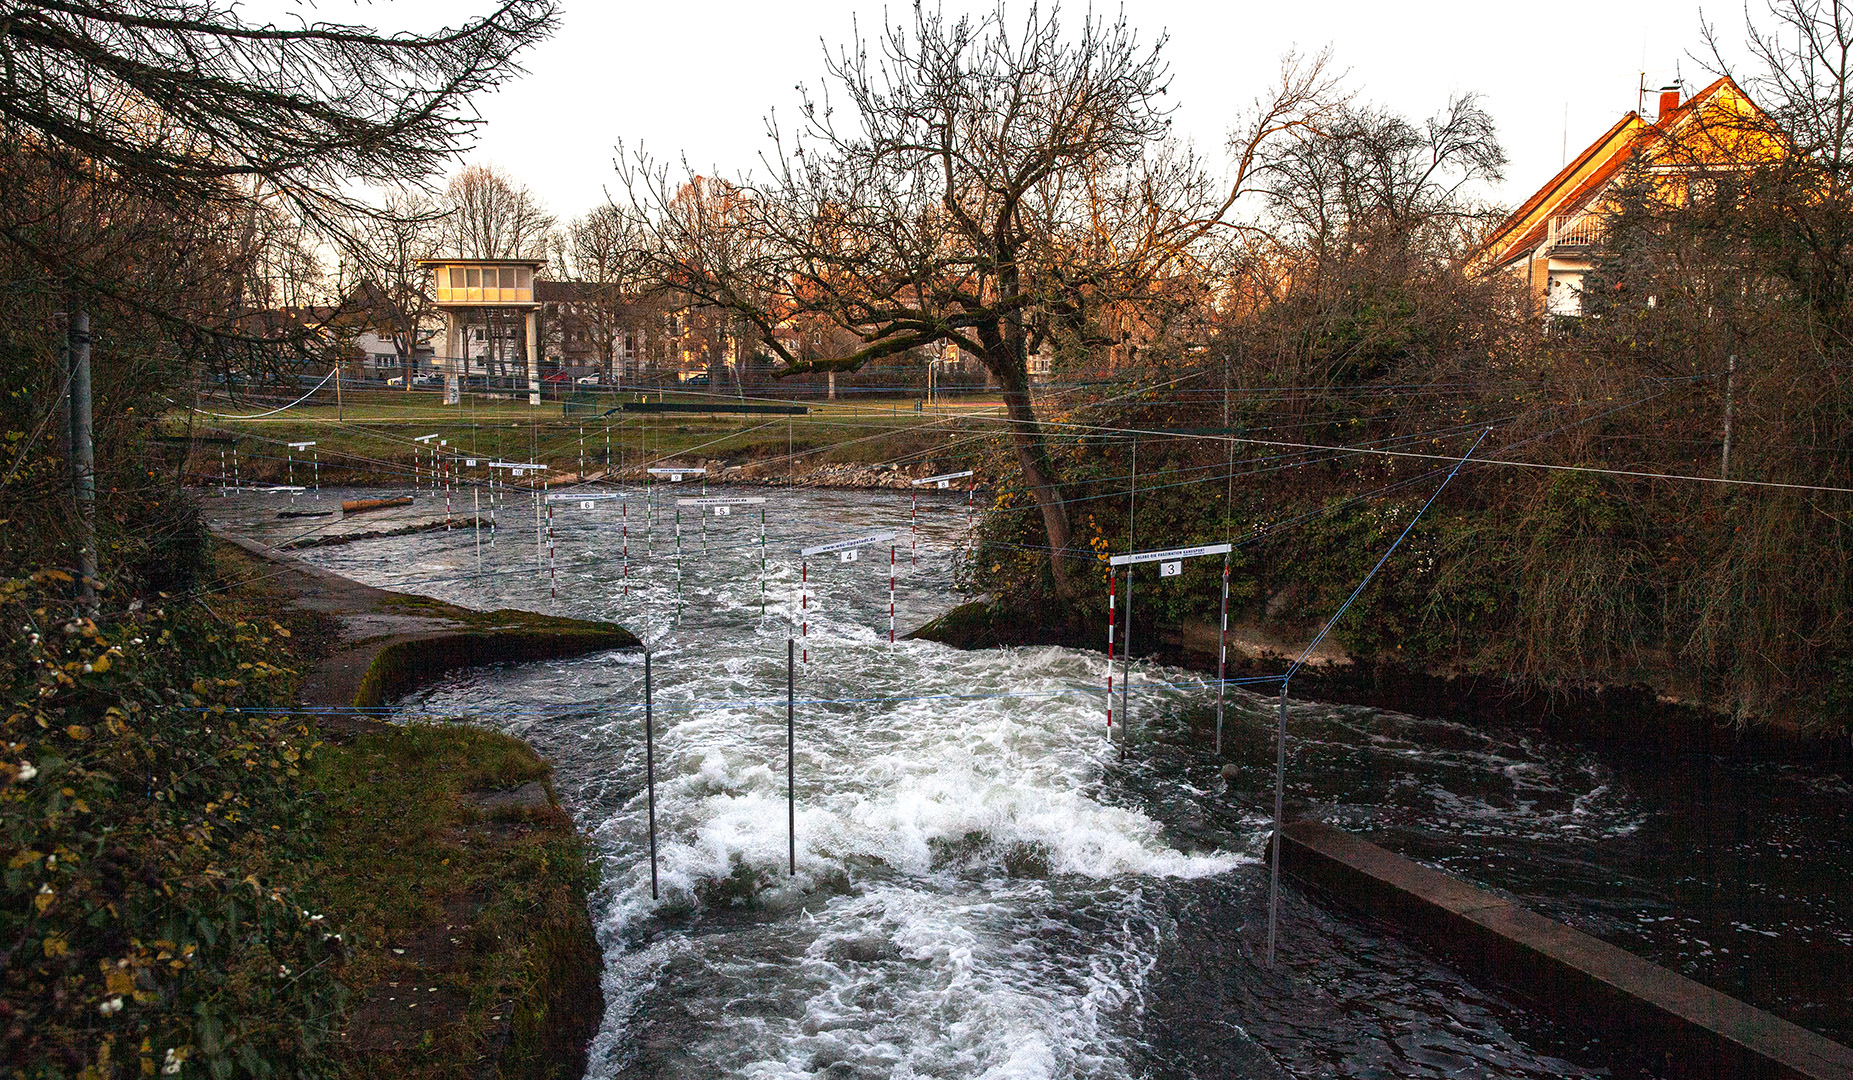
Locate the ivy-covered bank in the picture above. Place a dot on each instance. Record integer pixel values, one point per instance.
(1553, 585)
(199, 881)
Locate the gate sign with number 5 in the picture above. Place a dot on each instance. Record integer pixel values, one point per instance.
(847, 556)
(722, 511)
(1170, 569)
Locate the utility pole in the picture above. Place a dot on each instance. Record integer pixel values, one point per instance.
(83, 461)
(1730, 380)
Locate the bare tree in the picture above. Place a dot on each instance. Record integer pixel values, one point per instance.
(178, 97)
(494, 217)
(603, 251)
(391, 293)
(953, 201)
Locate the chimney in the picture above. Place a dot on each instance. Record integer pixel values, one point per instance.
(1669, 101)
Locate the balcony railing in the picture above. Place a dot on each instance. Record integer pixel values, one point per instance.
(1576, 231)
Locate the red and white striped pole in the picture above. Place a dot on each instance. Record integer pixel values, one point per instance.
(913, 538)
(804, 605)
(1222, 652)
(552, 590)
(891, 593)
(1112, 578)
(627, 548)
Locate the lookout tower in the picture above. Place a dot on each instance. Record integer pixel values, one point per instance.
(466, 291)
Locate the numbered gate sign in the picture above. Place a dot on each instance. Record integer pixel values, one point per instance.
(944, 480)
(723, 505)
(587, 504)
(469, 462)
(1170, 569)
(676, 474)
(846, 549)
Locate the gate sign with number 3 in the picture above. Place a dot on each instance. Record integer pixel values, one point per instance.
(846, 556)
(945, 483)
(1170, 569)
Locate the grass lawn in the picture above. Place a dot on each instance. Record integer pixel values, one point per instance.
(372, 437)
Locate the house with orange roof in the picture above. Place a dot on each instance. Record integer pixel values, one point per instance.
(1555, 237)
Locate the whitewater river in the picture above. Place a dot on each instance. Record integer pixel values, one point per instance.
(983, 889)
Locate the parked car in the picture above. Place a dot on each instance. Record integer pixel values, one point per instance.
(587, 380)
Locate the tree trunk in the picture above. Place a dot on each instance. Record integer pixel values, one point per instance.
(1032, 451)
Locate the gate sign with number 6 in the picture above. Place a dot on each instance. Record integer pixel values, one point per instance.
(847, 556)
(1170, 569)
(587, 505)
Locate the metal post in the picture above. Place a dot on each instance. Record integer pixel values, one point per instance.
(791, 756)
(1126, 664)
(83, 460)
(1112, 580)
(1222, 652)
(1280, 783)
(1730, 388)
(649, 765)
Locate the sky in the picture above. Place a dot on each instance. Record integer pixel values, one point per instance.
(696, 80)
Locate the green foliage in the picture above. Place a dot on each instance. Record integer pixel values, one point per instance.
(151, 810)
(407, 851)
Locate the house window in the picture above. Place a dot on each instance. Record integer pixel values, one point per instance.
(473, 278)
(456, 277)
(508, 277)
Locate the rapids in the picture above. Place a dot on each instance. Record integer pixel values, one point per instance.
(982, 887)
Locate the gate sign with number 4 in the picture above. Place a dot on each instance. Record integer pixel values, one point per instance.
(1170, 569)
(847, 556)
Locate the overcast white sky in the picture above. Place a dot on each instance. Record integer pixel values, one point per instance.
(698, 78)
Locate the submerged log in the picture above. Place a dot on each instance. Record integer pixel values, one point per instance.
(361, 506)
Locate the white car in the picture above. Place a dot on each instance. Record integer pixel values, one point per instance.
(587, 380)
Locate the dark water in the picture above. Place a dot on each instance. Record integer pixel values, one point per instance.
(984, 889)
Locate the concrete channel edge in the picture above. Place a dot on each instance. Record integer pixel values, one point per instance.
(1693, 1030)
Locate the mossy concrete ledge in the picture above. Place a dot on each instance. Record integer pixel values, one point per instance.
(1689, 1030)
(499, 637)
(389, 643)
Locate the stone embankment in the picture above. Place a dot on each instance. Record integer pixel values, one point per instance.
(541, 1020)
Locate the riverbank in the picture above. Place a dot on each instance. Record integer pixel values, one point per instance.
(442, 854)
(1619, 720)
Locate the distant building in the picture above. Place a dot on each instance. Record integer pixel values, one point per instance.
(1555, 237)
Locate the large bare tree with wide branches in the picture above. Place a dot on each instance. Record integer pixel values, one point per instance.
(979, 182)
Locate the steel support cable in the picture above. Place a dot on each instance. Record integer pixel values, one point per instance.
(1280, 736)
